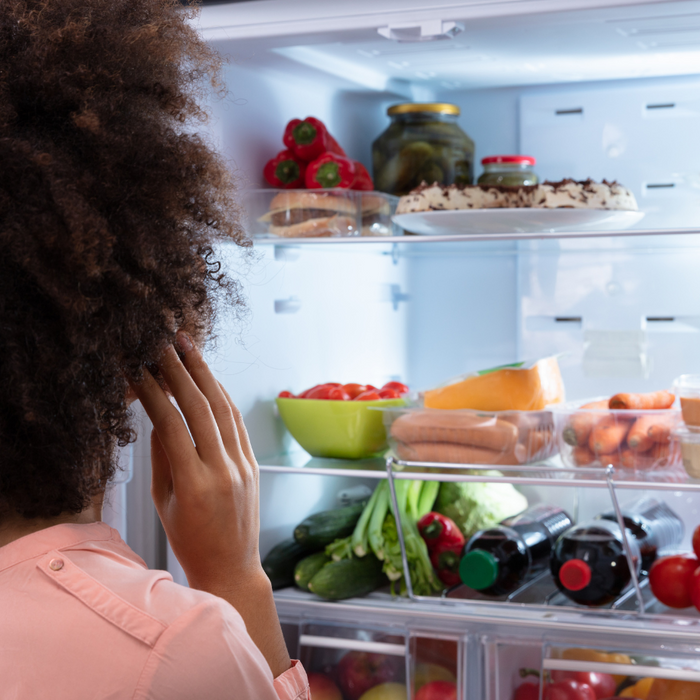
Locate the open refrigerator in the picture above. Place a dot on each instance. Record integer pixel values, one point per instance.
(592, 88)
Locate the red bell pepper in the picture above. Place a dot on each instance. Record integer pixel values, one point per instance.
(445, 558)
(363, 180)
(438, 528)
(285, 171)
(310, 139)
(330, 170)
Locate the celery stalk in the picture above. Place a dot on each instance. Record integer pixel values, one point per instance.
(360, 543)
(427, 497)
(414, 494)
(376, 539)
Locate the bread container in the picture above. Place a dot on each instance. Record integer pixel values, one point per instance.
(464, 436)
(337, 429)
(318, 213)
(629, 440)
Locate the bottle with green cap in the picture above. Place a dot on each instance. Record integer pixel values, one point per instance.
(498, 560)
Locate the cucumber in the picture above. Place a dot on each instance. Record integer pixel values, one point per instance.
(321, 529)
(308, 567)
(348, 578)
(280, 562)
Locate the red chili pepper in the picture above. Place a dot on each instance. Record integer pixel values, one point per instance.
(363, 180)
(309, 139)
(445, 557)
(330, 170)
(285, 171)
(438, 528)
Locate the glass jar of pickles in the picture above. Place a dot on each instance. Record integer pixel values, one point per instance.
(510, 171)
(422, 143)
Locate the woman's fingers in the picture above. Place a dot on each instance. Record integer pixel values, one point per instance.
(194, 405)
(221, 408)
(241, 431)
(167, 422)
(161, 474)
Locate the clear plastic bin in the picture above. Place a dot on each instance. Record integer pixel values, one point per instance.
(318, 213)
(690, 451)
(629, 440)
(470, 437)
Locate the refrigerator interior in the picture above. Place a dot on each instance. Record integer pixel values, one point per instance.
(601, 90)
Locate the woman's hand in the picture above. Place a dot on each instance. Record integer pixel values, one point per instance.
(206, 491)
(205, 488)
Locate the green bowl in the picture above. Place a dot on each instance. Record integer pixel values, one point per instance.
(338, 429)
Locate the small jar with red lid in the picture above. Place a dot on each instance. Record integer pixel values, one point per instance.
(508, 171)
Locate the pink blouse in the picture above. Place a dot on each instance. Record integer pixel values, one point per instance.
(82, 617)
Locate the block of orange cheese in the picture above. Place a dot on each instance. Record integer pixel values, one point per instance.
(528, 387)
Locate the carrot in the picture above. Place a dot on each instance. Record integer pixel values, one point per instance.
(660, 431)
(658, 456)
(653, 400)
(582, 456)
(638, 438)
(580, 424)
(607, 435)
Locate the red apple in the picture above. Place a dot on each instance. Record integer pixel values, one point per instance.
(358, 671)
(323, 688)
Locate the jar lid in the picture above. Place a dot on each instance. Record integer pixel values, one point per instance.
(525, 160)
(414, 107)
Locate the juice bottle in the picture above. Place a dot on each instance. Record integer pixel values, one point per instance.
(498, 560)
(653, 524)
(589, 563)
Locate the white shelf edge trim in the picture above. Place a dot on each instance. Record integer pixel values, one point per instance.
(675, 674)
(308, 640)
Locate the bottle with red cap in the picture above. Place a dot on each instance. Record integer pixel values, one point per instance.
(508, 171)
(498, 560)
(589, 563)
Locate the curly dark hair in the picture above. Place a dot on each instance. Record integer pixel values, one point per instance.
(110, 204)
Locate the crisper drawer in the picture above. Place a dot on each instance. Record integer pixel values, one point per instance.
(544, 670)
(346, 662)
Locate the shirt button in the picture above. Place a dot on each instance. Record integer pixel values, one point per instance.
(56, 564)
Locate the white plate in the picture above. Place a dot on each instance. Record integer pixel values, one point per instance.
(465, 222)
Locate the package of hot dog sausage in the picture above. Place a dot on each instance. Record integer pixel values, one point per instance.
(465, 436)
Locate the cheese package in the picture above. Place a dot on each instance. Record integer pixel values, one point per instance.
(524, 386)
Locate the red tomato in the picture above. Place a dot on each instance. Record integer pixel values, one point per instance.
(388, 394)
(354, 389)
(696, 541)
(603, 684)
(568, 690)
(437, 690)
(285, 395)
(337, 393)
(322, 391)
(695, 588)
(369, 395)
(396, 386)
(671, 579)
(304, 394)
(527, 691)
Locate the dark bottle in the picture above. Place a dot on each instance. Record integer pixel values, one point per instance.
(589, 563)
(498, 560)
(653, 524)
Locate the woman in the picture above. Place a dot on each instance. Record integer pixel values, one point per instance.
(109, 206)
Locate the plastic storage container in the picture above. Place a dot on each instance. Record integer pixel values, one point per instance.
(463, 436)
(318, 213)
(508, 171)
(637, 441)
(690, 451)
(687, 388)
(422, 143)
(589, 563)
(338, 429)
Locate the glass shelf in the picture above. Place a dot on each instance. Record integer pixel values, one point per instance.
(551, 473)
